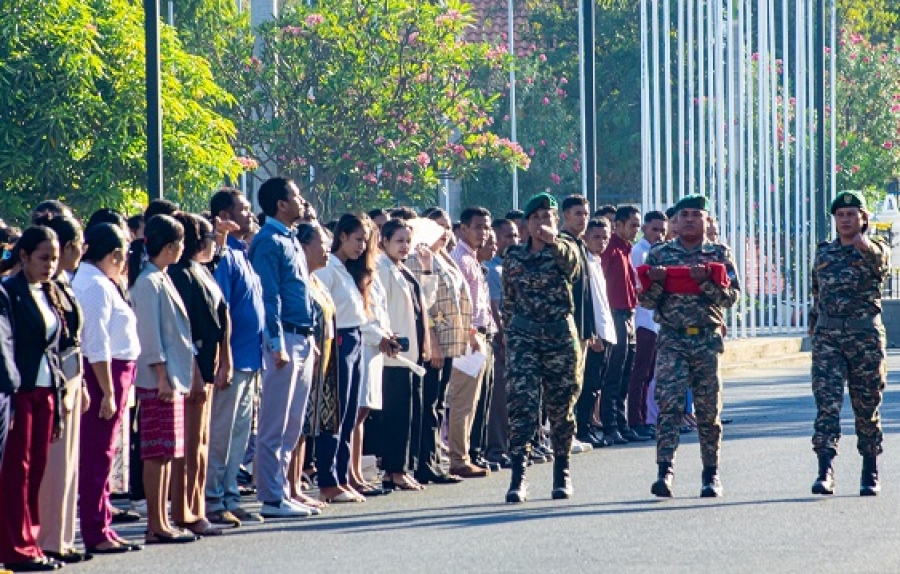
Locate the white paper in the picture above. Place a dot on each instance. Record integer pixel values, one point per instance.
(470, 364)
(415, 368)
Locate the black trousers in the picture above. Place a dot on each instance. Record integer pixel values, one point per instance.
(5, 405)
(135, 463)
(498, 417)
(401, 422)
(478, 439)
(618, 373)
(434, 386)
(595, 364)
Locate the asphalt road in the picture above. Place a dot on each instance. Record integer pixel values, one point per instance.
(767, 522)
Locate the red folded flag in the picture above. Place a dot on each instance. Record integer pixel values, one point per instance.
(678, 278)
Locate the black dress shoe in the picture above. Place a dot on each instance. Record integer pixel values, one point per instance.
(481, 462)
(125, 517)
(614, 438)
(503, 460)
(35, 565)
(631, 436)
(590, 439)
(70, 557)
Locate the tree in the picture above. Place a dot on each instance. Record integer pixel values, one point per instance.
(372, 101)
(868, 114)
(72, 109)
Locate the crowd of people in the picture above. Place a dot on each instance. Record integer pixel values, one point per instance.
(279, 355)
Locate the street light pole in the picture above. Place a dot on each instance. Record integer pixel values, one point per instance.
(154, 101)
(586, 64)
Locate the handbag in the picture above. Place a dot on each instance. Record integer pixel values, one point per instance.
(73, 370)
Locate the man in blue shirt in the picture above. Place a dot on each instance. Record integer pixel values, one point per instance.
(232, 407)
(278, 259)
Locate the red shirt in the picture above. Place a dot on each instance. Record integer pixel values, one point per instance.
(621, 279)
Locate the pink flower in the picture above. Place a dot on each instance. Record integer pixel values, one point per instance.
(528, 80)
(413, 37)
(423, 160)
(346, 156)
(379, 140)
(576, 166)
(314, 20)
(888, 144)
(542, 58)
(506, 118)
(560, 92)
(556, 179)
(531, 152)
(895, 109)
(838, 168)
(542, 142)
(563, 81)
(360, 165)
(370, 178)
(563, 156)
(854, 169)
(545, 101)
(844, 144)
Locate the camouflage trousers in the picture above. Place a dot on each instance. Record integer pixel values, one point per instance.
(859, 360)
(688, 362)
(542, 367)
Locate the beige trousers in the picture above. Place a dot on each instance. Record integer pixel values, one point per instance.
(58, 499)
(189, 473)
(463, 392)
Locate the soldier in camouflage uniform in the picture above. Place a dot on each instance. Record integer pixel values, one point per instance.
(848, 340)
(689, 342)
(543, 351)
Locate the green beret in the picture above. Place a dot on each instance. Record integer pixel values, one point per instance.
(848, 199)
(540, 201)
(692, 202)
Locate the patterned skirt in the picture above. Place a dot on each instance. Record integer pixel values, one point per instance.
(161, 425)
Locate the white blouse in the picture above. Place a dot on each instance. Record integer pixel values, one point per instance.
(351, 310)
(110, 327)
(51, 324)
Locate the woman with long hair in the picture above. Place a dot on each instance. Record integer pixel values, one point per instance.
(208, 315)
(38, 326)
(165, 367)
(59, 488)
(402, 389)
(110, 347)
(351, 237)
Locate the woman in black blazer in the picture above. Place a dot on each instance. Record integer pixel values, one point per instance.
(9, 374)
(35, 303)
(208, 316)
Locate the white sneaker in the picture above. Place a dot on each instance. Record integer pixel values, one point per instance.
(284, 510)
(579, 447)
(313, 511)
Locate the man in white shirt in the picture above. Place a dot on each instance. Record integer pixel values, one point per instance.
(596, 238)
(654, 230)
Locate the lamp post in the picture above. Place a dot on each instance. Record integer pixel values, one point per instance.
(586, 64)
(154, 103)
(821, 175)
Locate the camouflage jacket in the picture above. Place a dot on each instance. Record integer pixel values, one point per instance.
(538, 286)
(847, 282)
(676, 310)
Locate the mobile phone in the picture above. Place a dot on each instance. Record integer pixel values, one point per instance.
(404, 343)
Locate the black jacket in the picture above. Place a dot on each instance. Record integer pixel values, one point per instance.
(208, 321)
(30, 335)
(581, 293)
(9, 373)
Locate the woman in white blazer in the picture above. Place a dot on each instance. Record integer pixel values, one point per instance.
(401, 388)
(165, 368)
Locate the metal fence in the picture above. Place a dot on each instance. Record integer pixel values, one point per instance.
(728, 112)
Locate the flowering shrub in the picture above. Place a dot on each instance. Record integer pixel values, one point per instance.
(371, 101)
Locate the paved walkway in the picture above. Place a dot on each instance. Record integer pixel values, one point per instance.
(767, 522)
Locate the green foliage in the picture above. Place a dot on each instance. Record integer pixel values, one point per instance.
(371, 101)
(877, 20)
(868, 114)
(72, 109)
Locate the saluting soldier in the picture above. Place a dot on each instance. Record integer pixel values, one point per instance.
(690, 340)
(848, 340)
(543, 351)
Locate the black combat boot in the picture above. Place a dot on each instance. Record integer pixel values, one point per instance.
(712, 486)
(518, 488)
(562, 483)
(663, 485)
(824, 483)
(868, 482)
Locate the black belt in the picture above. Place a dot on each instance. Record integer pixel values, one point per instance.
(844, 324)
(694, 331)
(297, 329)
(533, 327)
